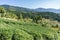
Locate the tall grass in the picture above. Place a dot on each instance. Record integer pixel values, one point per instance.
(17, 30)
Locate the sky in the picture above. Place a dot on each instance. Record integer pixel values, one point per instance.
(32, 3)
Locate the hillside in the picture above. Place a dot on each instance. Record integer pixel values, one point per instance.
(17, 12)
(19, 30)
(19, 23)
(16, 8)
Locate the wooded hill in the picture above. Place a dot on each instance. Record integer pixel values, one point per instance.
(20, 12)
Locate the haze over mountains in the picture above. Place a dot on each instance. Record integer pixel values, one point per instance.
(48, 10)
(8, 7)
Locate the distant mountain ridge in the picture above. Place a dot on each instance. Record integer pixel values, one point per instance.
(48, 10)
(8, 7)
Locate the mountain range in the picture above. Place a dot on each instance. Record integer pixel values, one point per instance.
(48, 10)
(15, 8)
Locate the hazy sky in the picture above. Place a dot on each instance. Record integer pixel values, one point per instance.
(33, 3)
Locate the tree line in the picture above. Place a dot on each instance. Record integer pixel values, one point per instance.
(35, 16)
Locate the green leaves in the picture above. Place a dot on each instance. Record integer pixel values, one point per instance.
(2, 11)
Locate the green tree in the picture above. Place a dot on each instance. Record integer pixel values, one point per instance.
(37, 18)
(21, 17)
(2, 11)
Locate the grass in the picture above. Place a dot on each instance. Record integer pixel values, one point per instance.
(19, 30)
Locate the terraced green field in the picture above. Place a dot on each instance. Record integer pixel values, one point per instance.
(19, 30)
